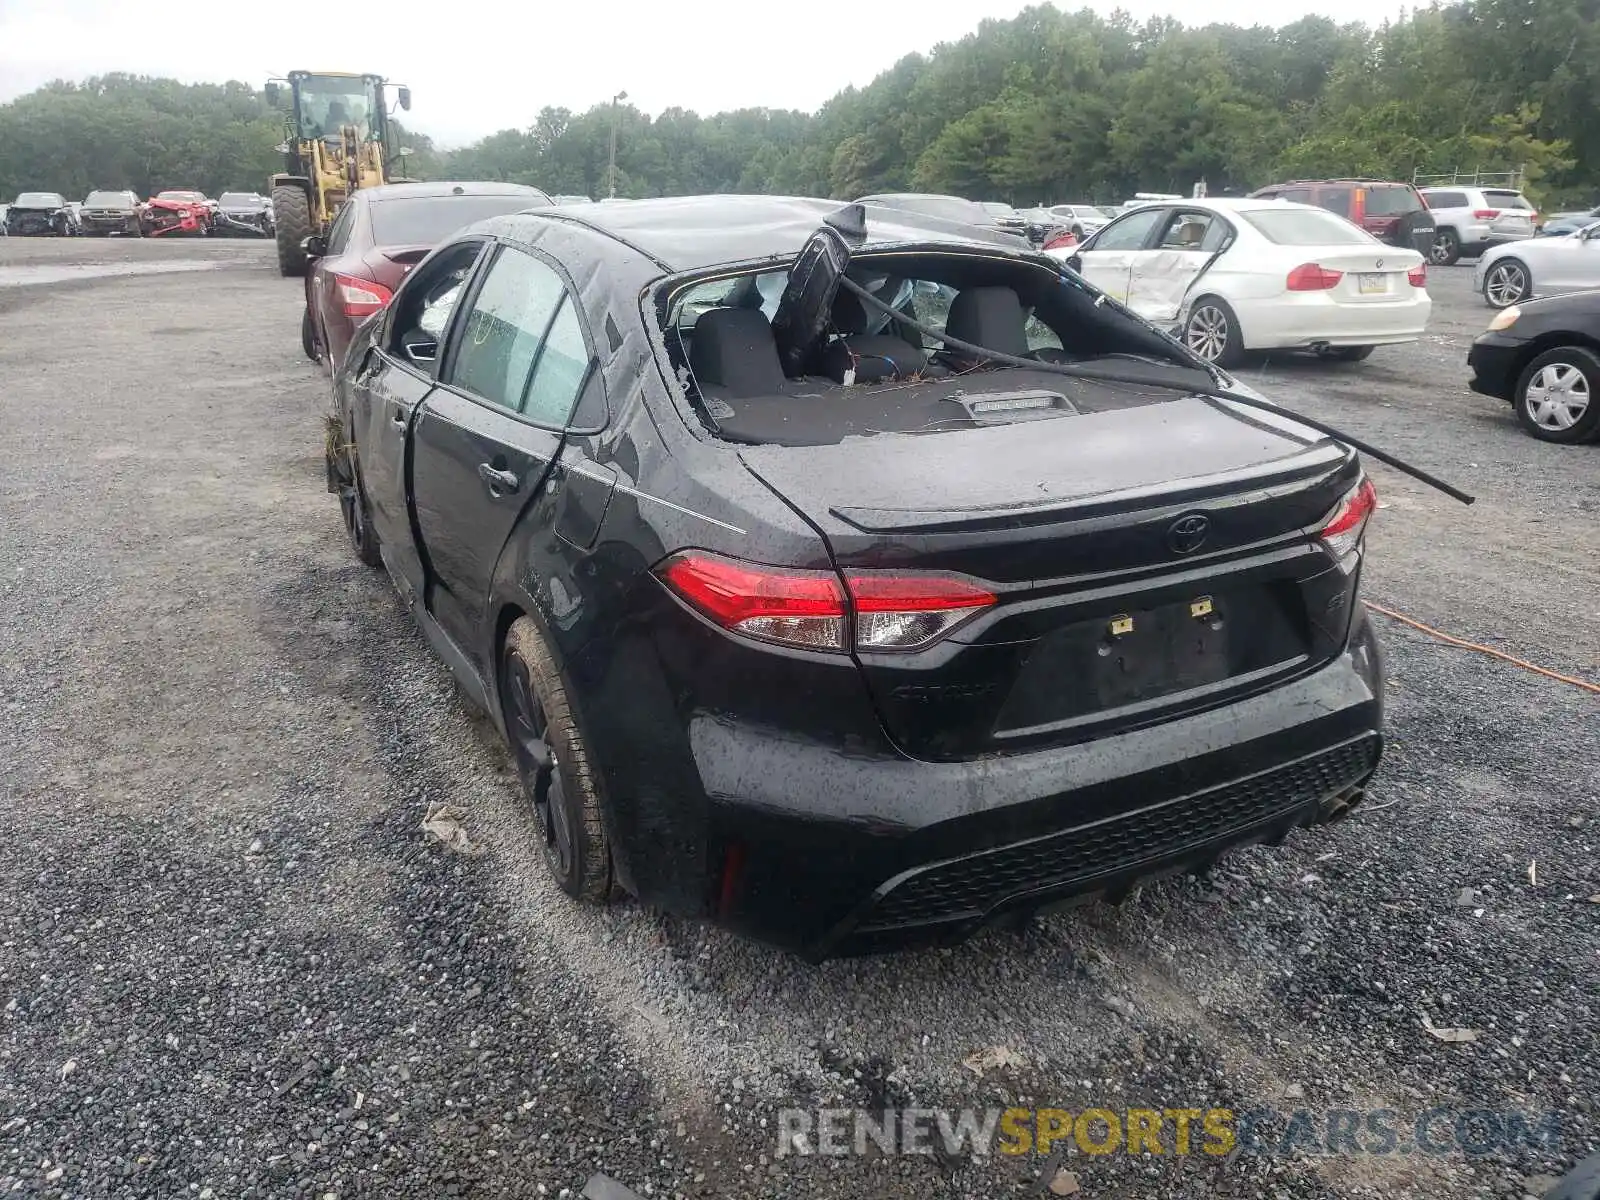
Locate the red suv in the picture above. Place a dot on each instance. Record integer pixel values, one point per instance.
(1391, 212)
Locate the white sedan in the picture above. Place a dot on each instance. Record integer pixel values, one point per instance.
(1544, 266)
(1231, 276)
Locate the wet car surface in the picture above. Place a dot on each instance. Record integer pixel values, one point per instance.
(825, 671)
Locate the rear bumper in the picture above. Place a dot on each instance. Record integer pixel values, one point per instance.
(1310, 318)
(1482, 235)
(844, 846)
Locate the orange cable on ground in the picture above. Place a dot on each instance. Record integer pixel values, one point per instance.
(1490, 651)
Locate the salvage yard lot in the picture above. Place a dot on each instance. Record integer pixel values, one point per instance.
(229, 963)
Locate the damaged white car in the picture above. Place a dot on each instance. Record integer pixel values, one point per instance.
(1233, 276)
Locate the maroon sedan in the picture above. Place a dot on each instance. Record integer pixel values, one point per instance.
(379, 235)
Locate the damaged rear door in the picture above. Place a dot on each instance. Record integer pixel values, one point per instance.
(399, 360)
(1162, 278)
(1154, 258)
(487, 440)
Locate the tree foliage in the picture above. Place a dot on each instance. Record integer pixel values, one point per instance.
(1051, 105)
(125, 131)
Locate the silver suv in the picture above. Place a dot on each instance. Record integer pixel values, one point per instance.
(1470, 220)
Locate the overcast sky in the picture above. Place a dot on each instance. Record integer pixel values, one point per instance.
(476, 66)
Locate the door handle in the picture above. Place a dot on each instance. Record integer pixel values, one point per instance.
(500, 482)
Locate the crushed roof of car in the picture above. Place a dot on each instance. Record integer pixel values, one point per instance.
(686, 233)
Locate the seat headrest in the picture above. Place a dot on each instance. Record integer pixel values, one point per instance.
(990, 317)
(849, 314)
(734, 348)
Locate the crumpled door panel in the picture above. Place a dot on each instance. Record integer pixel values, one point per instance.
(1160, 280)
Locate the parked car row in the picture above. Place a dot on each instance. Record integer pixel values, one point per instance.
(106, 212)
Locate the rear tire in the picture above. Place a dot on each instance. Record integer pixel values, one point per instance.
(1211, 330)
(1506, 283)
(1558, 396)
(293, 210)
(357, 515)
(553, 764)
(1446, 248)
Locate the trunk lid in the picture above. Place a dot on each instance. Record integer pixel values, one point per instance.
(1370, 276)
(389, 265)
(1108, 616)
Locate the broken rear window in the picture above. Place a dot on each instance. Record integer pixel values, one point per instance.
(891, 364)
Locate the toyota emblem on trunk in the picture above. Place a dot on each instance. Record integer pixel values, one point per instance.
(1188, 533)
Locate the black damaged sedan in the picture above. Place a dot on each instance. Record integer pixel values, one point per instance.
(849, 581)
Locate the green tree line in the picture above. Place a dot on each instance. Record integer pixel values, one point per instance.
(1051, 105)
(125, 131)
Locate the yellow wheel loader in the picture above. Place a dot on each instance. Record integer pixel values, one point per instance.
(337, 140)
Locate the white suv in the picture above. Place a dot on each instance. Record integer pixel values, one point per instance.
(1469, 220)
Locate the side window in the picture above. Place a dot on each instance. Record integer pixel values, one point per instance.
(930, 303)
(1041, 336)
(1217, 235)
(1189, 231)
(521, 346)
(495, 348)
(1300, 195)
(428, 297)
(559, 369)
(339, 234)
(1131, 232)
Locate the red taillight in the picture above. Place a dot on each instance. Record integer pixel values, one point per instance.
(1418, 275)
(361, 297)
(812, 609)
(1344, 528)
(1485, 214)
(797, 608)
(1061, 241)
(897, 611)
(1312, 277)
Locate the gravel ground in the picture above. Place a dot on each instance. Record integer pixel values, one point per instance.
(230, 966)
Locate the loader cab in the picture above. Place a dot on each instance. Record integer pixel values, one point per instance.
(324, 103)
